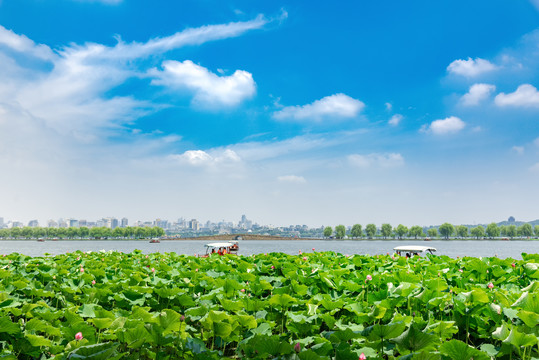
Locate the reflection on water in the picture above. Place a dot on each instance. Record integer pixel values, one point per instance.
(502, 249)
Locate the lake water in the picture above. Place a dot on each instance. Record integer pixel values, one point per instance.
(453, 248)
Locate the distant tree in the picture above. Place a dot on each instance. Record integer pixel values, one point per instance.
(415, 231)
(478, 232)
(492, 230)
(117, 233)
(328, 230)
(511, 231)
(4, 233)
(503, 230)
(26, 232)
(536, 230)
(106, 232)
(38, 232)
(432, 232)
(356, 231)
(525, 230)
(129, 232)
(73, 232)
(446, 230)
(140, 232)
(15, 232)
(370, 230)
(340, 231)
(52, 232)
(401, 230)
(96, 232)
(462, 231)
(386, 230)
(61, 232)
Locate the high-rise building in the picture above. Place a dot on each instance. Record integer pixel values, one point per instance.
(33, 223)
(52, 224)
(83, 223)
(73, 222)
(111, 223)
(124, 223)
(194, 224)
(62, 223)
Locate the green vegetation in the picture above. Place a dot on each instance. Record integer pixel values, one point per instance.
(276, 306)
(82, 233)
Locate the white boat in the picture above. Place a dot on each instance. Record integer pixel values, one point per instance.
(411, 250)
(221, 248)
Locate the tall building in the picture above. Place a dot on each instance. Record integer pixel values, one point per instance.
(111, 223)
(33, 223)
(73, 222)
(124, 223)
(194, 224)
(52, 224)
(62, 223)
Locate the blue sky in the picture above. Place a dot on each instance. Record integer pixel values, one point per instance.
(291, 112)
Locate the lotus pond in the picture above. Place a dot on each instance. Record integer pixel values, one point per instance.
(112, 305)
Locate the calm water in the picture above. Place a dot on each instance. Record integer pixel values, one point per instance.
(502, 249)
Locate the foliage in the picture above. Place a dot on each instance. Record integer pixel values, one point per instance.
(328, 231)
(446, 230)
(478, 232)
(492, 230)
(323, 305)
(340, 231)
(370, 230)
(356, 231)
(386, 230)
(432, 232)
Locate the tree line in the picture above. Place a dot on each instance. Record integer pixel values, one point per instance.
(445, 231)
(130, 232)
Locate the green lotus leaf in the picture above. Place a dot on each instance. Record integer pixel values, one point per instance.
(309, 355)
(531, 319)
(423, 355)
(413, 339)
(169, 320)
(489, 349)
(8, 327)
(282, 301)
(246, 321)
(405, 289)
(458, 350)
(135, 337)
(37, 325)
(186, 301)
(444, 329)
(88, 310)
(232, 305)
(528, 301)
(104, 351)
(501, 333)
(388, 331)
(37, 340)
(101, 323)
(519, 339)
(332, 304)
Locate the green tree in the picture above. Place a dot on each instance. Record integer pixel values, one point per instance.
(536, 229)
(52, 232)
(416, 231)
(432, 232)
(73, 232)
(401, 230)
(370, 230)
(84, 232)
(478, 232)
(511, 231)
(140, 232)
(446, 230)
(525, 230)
(340, 231)
(328, 230)
(61, 232)
(356, 231)
(492, 230)
(462, 231)
(117, 233)
(27, 232)
(15, 232)
(129, 232)
(503, 230)
(386, 230)
(38, 232)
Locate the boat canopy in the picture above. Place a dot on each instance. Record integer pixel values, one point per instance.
(414, 248)
(217, 245)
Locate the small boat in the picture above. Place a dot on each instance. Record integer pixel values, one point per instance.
(414, 250)
(221, 248)
(40, 239)
(155, 241)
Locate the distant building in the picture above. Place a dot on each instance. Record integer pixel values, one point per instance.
(62, 223)
(16, 224)
(83, 223)
(33, 223)
(73, 222)
(245, 223)
(52, 224)
(194, 224)
(124, 223)
(111, 223)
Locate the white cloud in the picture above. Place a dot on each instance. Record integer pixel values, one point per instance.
(471, 67)
(208, 88)
(518, 149)
(203, 158)
(293, 179)
(445, 126)
(390, 160)
(330, 107)
(477, 94)
(22, 44)
(526, 95)
(395, 120)
(389, 106)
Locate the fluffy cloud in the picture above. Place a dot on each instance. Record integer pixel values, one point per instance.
(330, 107)
(293, 179)
(202, 158)
(208, 88)
(477, 94)
(445, 126)
(526, 95)
(395, 120)
(471, 67)
(390, 160)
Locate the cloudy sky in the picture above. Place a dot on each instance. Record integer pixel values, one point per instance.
(291, 112)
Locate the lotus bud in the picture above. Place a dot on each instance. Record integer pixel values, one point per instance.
(304, 258)
(297, 347)
(242, 290)
(153, 270)
(369, 278)
(78, 336)
(490, 285)
(513, 265)
(81, 269)
(362, 357)
(313, 249)
(182, 318)
(272, 267)
(93, 282)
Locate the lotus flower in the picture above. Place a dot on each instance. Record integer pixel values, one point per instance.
(297, 347)
(313, 249)
(300, 252)
(490, 285)
(304, 258)
(196, 270)
(362, 356)
(78, 336)
(81, 269)
(272, 267)
(182, 318)
(93, 282)
(369, 278)
(513, 265)
(153, 270)
(242, 290)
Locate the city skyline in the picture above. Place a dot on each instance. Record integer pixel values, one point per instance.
(293, 112)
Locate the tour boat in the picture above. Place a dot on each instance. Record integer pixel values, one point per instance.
(411, 250)
(221, 248)
(155, 241)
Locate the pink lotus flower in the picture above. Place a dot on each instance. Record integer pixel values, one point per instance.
(81, 270)
(300, 254)
(304, 258)
(78, 336)
(362, 357)
(182, 318)
(369, 278)
(513, 265)
(146, 256)
(460, 270)
(78, 258)
(242, 290)
(93, 282)
(490, 285)
(153, 270)
(196, 270)
(297, 347)
(272, 267)
(313, 249)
